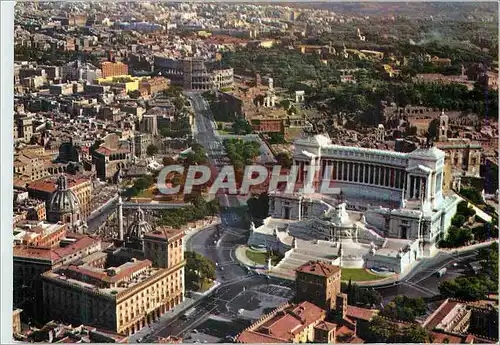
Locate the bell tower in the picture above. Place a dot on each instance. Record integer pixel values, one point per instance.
(443, 127)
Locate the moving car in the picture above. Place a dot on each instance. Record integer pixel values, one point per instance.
(441, 272)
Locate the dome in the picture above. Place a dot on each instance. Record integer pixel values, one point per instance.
(63, 200)
(139, 227)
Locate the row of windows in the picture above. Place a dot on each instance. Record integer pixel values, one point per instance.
(157, 287)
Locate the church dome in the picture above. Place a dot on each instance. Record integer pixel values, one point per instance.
(63, 200)
(139, 227)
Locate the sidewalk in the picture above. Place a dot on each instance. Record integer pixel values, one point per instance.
(171, 314)
(190, 232)
(468, 248)
(164, 319)
(202, 294)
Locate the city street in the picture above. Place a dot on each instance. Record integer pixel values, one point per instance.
(242, 297)
(205, 131)
(422, 281)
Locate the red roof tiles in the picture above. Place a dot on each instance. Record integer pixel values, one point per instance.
(440, 338)
(360, 313)
(284, 325)
(49, 185)
(319, 268)
(57, 253)
(103, 275)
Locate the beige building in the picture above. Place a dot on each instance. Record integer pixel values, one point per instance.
(23, 127)
(464, 155)
(30, 167)
(122, 298)
(16, 321)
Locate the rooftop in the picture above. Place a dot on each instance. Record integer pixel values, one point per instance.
(110, 281)
(49, 184)
(360, 313)
(283, 325)
(319, 268)
(55, 254)
(165, 234)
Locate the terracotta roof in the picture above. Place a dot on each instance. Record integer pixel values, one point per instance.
(319, 268)
(360, 313)
(326, 326)
(103, 150)
(103, 275)
(284, 325)
(107, 151)
(166, 233)
(469, 339)
(343, 330)
(356, 340)
(251, 337)
(440, 337)
(57, 253)
(49, 185)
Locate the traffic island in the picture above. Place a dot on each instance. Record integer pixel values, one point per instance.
(256, 260)
(360, 275)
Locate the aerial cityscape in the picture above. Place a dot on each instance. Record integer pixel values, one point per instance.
(267, 172)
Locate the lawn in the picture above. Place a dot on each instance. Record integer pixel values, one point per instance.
(260, 258)
(359, 274)
(147, 193)
(223, 132)
(207, 284)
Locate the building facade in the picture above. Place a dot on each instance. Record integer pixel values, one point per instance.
(111, 69)
(194, 73)
(122, 298)
(361, 208)
(318, 283)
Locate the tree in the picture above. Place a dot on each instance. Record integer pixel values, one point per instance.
(151, 150)
(259, 206)
(242, 126)
(466, 288)
(404, 308)
(485, 231)
(456, 237)
(458, 220)
(472, 194)
(464, 209)
(198, 270)
(381, 330)
(168, 161)
(413, 334)
(489, 262)
(284, 160)
(433, 129)
(276, 138)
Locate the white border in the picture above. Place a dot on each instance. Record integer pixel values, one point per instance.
(6, 166)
